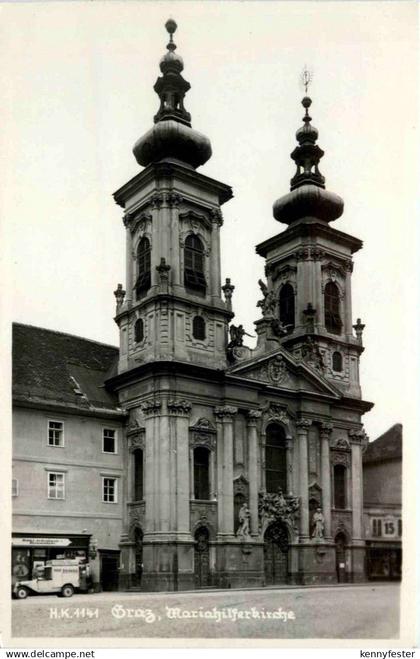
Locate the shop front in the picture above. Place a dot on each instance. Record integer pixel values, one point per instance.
(383, 561)
(31, 551)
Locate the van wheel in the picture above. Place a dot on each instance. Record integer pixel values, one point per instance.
(21, 593)
(67, 590)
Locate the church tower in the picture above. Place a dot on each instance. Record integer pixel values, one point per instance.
(307, 305)
(173, 327)
(172, 307)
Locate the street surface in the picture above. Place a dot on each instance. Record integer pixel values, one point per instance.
(367, 611)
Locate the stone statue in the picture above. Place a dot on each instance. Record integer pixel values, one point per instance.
(244, 517)
(312, 354)
(268, 303)
(279, 328)
(318, 525)
(237, 336)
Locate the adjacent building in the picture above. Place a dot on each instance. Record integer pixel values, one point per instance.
(382, 489)
(68, 447)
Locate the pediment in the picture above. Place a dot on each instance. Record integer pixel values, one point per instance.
(280, 369)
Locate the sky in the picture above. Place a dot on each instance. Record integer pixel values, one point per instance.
(77, 85)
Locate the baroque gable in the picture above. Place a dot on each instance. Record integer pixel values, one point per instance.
(281, 370)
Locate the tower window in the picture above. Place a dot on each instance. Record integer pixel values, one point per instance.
(194, 278)
(143, 267)
(337, 361)
(287, 306)
(340, 487)
(201, 473)
(138, 330)
(275, 459)
(138, 474)
(199, 328)
(333, 321)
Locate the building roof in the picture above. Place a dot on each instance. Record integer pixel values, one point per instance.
(386, 447)
(61, 369)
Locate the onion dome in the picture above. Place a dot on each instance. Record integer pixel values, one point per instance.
(308, 197)
(172, 136)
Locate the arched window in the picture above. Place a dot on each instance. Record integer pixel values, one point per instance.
(143, 267)
(337, 361)
(138, 330)
(339, 486)
(199, 328)
(275, 459)
(138, 474)
(201, 473)
(333, 321)
(194, 278)
(287, 306)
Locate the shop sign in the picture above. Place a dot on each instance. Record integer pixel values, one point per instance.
(38, 542)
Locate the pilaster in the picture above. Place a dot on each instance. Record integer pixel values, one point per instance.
(325, 433)
(226, 414)
(302, 427)
(252, 418)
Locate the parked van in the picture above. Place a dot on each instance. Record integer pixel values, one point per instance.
(60, 576)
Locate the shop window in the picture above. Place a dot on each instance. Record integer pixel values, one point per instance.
(109, 490)
(201, 473)
(333, 321)
(340, 486)
(109, 440)
(15, 487)
(194, 278)
(138, 474)
(337, 361)
(275, 459)
(199, 328)
(138, 331)
(143, 282)
(55, 485)
(287, 306)
(55, 433)
(377, 528)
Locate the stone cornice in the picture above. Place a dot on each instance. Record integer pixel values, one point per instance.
(309, 229)
(169, 170)
(158, 295)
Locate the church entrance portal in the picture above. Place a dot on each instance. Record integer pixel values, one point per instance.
(276, 547)
(201, 558)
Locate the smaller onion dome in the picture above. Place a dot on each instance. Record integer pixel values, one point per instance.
(172, 136)
(308, 201)
(308, 197)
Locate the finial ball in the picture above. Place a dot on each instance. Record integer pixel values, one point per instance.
(171, 26)
(306, 102)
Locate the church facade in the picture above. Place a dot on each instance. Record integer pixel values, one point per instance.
(243, 467)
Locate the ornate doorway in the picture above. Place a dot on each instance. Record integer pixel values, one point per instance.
(201, 558)
(340, 557)
(276, 548)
